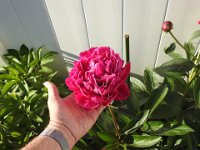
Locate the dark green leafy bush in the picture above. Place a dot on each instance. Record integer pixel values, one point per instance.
(23, 98)
(163, 111)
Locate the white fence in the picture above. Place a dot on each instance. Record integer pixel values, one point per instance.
(71, 26)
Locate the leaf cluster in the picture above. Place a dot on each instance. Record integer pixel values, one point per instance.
(23, 106)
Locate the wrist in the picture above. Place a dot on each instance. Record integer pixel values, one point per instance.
(65, 131)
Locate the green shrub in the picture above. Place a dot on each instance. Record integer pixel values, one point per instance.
(23, 98)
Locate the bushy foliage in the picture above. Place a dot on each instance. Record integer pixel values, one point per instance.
(23, 98)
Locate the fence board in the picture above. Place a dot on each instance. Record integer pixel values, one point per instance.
(104, 22)
(142, 21)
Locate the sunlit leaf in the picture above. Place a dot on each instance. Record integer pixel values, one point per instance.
(180, 130)
(35, 117)
(7, 87)
(144, 141)
(175, 67)
(15, 134)
(48, 57)
(195, 35)
(156, 98)
(150, 80)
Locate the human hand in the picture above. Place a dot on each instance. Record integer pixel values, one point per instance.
(66, 116)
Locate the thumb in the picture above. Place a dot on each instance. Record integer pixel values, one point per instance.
(52, 90)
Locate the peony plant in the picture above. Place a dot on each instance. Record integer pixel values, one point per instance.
(163, 109)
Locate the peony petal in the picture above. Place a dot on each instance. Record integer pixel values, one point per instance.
(100, 69)
(123, 92)
(69, 83)
(126, 71)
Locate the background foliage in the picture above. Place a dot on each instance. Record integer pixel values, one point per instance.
(163, 110)
(23, 105)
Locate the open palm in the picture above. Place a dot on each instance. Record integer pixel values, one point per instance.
(67, 112)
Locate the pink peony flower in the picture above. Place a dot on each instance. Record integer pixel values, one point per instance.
(198, 22)
(98, 78)
(167, 26)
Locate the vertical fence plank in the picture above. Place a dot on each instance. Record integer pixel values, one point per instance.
(104, 22)
(68, 20)
(142, 21)
(35, 22)
(11, 31)
(184, 17)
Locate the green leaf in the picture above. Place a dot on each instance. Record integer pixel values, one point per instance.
(132, 101)
(196, 92)
(180, 130)
(170, 107)
(156, 98)
(105, 123)
(8, 77)
(195, 35)
(32, 65)
(175, 55)
(7, 87)
(13, 52)
(24, 50)
(152, 125)
(35, 117)
(24, 86)
(48, 57)
(39, 52)
(19, 68)
(150, 80)
(12, 70)
(190, 50)
(175, 67)
(46, 69)
(16, 61)
(138, 85)
(107, 137)
(144, 141)
(135, 124)
(170, 48)
(15, 134)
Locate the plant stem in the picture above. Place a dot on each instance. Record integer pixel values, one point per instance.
(114, 122)
(127, 56)
(192, 74)
(177, 41)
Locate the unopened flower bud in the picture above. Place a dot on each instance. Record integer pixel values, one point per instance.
(167, 26)
(198, 22)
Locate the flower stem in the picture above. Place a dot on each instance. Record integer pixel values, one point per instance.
(127, 56)
(177, 41)
(114, 122)
(193, 73)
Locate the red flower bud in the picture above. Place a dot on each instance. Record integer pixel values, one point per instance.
(167, 26)
(198, 22)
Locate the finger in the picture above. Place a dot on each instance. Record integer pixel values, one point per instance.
(52, 90)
